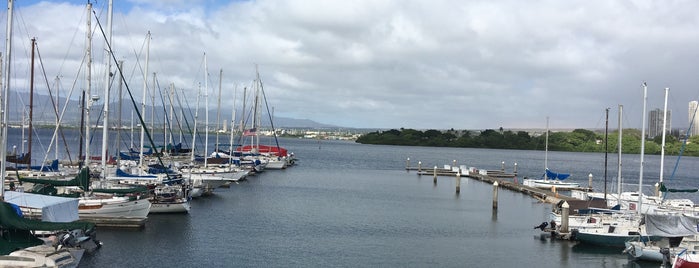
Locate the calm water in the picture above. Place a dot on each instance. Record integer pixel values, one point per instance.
(353, 205)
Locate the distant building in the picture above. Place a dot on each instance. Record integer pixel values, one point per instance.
(655, 123)
(693, 117)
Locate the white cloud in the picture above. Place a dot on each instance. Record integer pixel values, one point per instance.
(411, 64)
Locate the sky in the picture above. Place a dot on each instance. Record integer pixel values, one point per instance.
(387, 64)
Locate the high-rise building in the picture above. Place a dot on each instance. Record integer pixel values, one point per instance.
(655, 123)
(694, 118)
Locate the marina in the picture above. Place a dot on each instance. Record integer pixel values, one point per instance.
(339, 208)
(363, 147)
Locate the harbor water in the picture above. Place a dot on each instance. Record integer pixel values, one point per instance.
(351, 205)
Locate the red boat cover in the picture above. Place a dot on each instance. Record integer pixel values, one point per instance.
(682, 263)
(274, 150)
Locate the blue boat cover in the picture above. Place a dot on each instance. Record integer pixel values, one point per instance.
(557, 176)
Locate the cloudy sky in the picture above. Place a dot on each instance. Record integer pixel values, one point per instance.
(389, 64)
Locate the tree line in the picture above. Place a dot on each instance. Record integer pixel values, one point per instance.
(578, 140)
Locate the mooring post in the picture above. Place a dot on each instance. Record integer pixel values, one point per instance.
(458, 181)
(589, 181)
(435, 174)
(407, 164)
(657, 189)
(495, 195)
(564, 217)
(515, 169)
(502, 167)
(419, 167)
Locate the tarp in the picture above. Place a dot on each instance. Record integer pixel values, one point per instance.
(10, 220)
(670, 225)
(556, 176)
(82, 180)
(274, 150)
(53, 208)
(665, 189)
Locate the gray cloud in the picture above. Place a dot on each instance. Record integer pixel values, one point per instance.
(413, 64)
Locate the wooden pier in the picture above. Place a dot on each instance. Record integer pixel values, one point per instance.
(504, 179)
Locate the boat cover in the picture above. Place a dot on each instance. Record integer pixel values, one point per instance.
(670, 225)
(9, 219)
(53, 208)
(82, 180)
(557, 176)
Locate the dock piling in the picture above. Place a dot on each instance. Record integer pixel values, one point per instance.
(657, 189)
(435, 174)
(502, 167)
(458, 182)
(589, 181)
(495, 195)
(419, 168)
(407, 165)
(564, 217)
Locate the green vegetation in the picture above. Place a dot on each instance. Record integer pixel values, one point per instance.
(579, 140)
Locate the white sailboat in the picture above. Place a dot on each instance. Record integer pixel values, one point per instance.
(550, 179)
(104, 208)
(612, 236)
(19, 247)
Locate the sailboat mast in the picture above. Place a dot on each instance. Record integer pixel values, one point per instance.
(643, 147)
(258, 116)
(118, 136)
(196, 117)
(143, 99)
(662, 146)
(606, 149)
(58, 100)
(31, 103)
(206, 112)
(218, 109)
(546, 151)
(230, 145)
(152, 106)
(105, 125)
(172, 111)
(88, 90)
(618, 175)
(3, 97)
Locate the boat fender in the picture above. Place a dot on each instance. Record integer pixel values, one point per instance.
(666, 254)
(573, 234)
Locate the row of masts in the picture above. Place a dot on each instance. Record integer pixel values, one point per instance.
(88, 99)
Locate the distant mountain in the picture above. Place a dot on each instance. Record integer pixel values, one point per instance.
(44, 113)
(285, 122)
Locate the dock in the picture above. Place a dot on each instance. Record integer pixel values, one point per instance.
(504, 179)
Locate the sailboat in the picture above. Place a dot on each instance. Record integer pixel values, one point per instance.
(167, 191)
(19, 246)
(617, 236)
(550, 179)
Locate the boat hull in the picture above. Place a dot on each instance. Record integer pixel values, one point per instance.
(610, 239)
(548, 184)
(114, 212)
(179, 206)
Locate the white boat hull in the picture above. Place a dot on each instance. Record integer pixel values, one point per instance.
(114, 211)
(548, 184)
(182, 206)
(42, 256)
